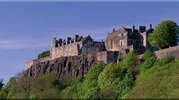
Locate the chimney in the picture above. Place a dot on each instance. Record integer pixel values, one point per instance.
(113, 30)
(150, 26)
(133, 28)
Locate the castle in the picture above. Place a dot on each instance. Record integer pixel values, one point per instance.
(113, 49)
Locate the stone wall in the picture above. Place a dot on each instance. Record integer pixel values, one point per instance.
(172, 51)
(107, 56)
(36, 61)
(68, 49)
(102, 56)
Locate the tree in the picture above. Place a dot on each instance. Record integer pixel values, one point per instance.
(1, 84)
(89, 88)
(165, 35)
(130, 60)
(43, 54)
(115, 81)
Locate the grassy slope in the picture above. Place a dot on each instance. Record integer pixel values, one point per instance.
(157, 82)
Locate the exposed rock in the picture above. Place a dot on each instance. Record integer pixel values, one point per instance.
(63, 66)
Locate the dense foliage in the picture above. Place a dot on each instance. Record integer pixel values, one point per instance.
(43, 54)
(160, 81)
(131, 78)
(165, 35)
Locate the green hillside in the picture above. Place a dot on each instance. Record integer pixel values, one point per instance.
(158, 82)
(131, 78)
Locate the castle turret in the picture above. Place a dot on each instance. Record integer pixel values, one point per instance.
(54, 42)
(53, 48)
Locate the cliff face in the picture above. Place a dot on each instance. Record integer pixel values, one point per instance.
(64, 66)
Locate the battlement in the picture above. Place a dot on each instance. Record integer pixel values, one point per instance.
(69, 40)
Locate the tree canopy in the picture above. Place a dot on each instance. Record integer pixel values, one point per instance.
(165, 35)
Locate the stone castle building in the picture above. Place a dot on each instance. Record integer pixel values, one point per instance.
(75, 46)
(113, 49)
(128, 39)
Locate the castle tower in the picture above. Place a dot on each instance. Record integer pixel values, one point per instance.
(53, 50)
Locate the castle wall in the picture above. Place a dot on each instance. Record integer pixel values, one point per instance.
(68, 50)
(35, 61)
(107, 56)
(172, 51)
(102, 56)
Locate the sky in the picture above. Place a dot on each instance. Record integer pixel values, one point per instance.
(27, 28)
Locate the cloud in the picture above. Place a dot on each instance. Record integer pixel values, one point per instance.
(22, 43)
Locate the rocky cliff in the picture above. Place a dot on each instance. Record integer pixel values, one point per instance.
(63, 66)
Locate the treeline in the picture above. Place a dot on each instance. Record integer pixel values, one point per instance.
(112, 81)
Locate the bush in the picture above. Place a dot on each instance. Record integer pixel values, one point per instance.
(44, 54)
(149, 60)
(33, 96)
(166, 60)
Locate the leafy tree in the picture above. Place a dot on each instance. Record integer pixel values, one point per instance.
(165, 35)
(115, 81)
(72, 91)
(4, 93)
(130, 60)
(89, 88)
(43, 54)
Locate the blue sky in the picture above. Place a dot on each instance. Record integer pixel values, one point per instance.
(26, 28)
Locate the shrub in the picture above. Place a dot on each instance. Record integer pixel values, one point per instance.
(43, 54)
(166, 60)
(149, 60)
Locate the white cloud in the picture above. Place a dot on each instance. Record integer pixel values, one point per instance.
(22, 43)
